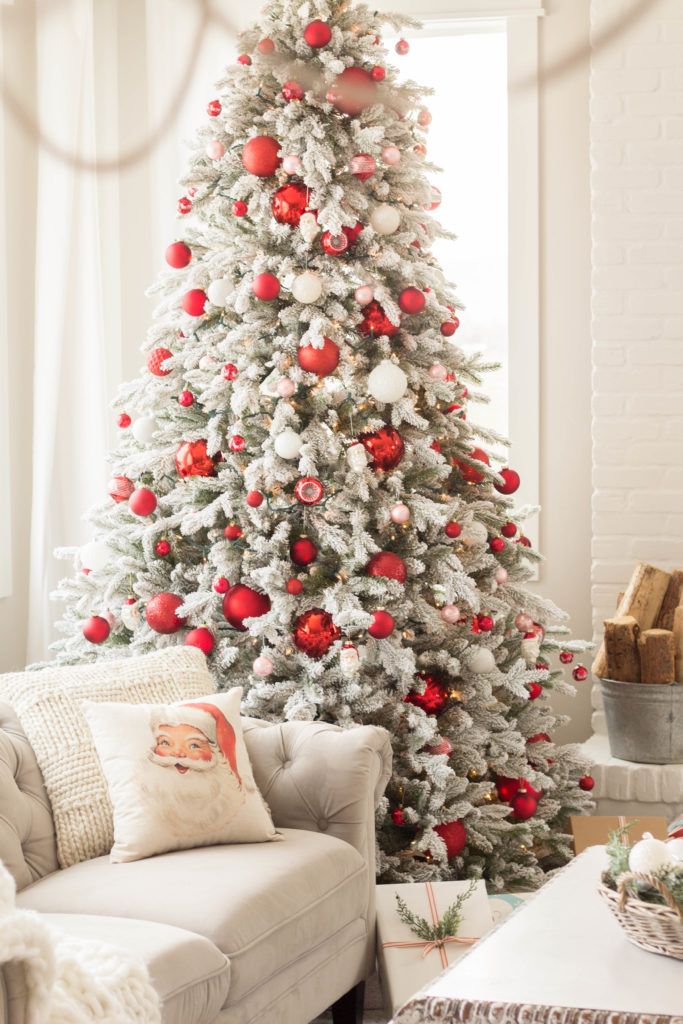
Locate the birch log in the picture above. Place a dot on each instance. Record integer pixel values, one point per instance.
(678, 643)
(642, 599)
(621, 649)
(656, 649)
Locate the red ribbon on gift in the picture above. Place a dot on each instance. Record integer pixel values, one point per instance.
(429, 946)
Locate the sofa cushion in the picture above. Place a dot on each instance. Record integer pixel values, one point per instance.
(262, 904)
(190, 975)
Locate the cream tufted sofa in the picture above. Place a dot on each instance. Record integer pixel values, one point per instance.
(269, 933)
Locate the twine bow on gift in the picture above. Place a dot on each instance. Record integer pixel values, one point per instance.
(429, 947)
(437, 934)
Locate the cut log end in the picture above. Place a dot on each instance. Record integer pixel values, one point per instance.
(621, 649)
(657, 662)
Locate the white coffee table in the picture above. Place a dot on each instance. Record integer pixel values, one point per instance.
(560, 958)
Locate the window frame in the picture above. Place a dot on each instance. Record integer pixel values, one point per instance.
(6, 486)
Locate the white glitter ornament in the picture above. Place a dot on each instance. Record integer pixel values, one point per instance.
(131, 615)
(349, 660)
(480, 660)
(307, 287)
(144, 429)
(218, 291)
(387, 382)
(262, 666)
(288, 444)
(649, 855)
(308, 226)
(385, 219)
(357, 458)
(473, 534)
(96, 555)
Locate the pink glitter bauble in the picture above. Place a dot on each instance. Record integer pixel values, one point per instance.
(391, 155)
(501, 574)
(364, 294)
(400, 513)
(215, 149)
(438, 372)
(292, 164)
(285, 387)
(450, 613)
(262, 666)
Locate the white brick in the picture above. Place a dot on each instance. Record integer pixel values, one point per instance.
(661, 303)
(673, 177)
(672, 79)
(608, 254)
(608, 302)
(655, 202)
(673, 328)
(656, 354)
(656, 501)
(608, 405)
(673, 128)
(627, 129)
(655, 252)
(609, 357)
(627, 227)
(653, 104)
(659, 154)
(626, 328)
(625, 81)
(673, 227)
(625, 177)
(655, 55)
(627, 277)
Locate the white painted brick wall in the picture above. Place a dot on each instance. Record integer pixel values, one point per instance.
(637, 313)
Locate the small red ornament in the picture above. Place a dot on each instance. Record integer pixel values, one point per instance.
(566, 657)
(375, 322)
(266, 287)
(240, 208)
(265, 46)
(96, 629)
(260, 156)
(449, 327)
(289, 202)
(436, 446)
(160, 613)
(412, 300)
(142, 502)
(244, 59)
(382, 625)
(317, 34)
(309, 491)
(123, 420)
(230, 371)
(120, 488)
(184, 205)
(433, 699)
(186, 399)
(454, 836)
(291, 90)
(214, 108)
(241, 602)
(155, 358)
(237, 443)
(362, 166)
(580, 673)
(508, 529)
(315, 632)
(294, 586)
(470, 474)
(232, 532)
(452, 529)
(221, 586)
(398, 817)
(387, 565)
(334, 245)
(378, 73)
(586, 782)
(402, 47)
(539, 737)
(321, 361)
(178, 255)
(162, 548)
(254, 499)
(524, 805)
(192, 459)
(354, 90)
(385, 447)
(485, 623)
(535, 690)
(524, 541)
(202, 638)
(496, 545)
(510, 483)
(194, 302)
(507, 787)
(303, 551)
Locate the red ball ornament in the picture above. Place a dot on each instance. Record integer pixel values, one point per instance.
(292, 91)
(398, 817)
(449, 327)
(230, 371)
(266, 287)
(524, 541)
(123, 420)
(321, 361)
(412, 300)
(120, 488)
(162, 548)
(309, 491)
(385, 447)
(524, 805)
(233, 532)
(375, 322)
(178, 255)
(214, 108)
(402, 47)
(508, 529)
(142, 502)
(155, 359)
(506, 787)
(237, 443)
(240, 208)
(387, 565)
(470, 474)
(580, 673)
(454, 836)
(221, 586)
(354, 90)
(260, 156)
(303, 551)
(317, 34)
(96, 629)
(186, 399)
(496, 545)
(566, 657)
(184, 205)
(294, 586)
(452, 529)
(586, 782)
(244, 59)
(160, 613)
(194, 302)
(485, 623)
(535, 690)
(265, 46)
(433, 699)
(334, 245)
(192, 459)
(289, 202)
(241, 602)
(378, 73)
(539, 737)
(315, 632)
(202, 638)
(254, 499)
(510, 482)
(382, 625)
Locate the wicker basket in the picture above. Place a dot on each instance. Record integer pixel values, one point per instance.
(656, 928)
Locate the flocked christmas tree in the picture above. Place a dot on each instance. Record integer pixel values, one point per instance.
(300, 430)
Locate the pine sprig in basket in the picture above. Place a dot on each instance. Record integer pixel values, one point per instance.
(618, 851)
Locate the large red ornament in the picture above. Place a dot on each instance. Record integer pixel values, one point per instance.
(524, 805)
(382, 625)
(375, 322)
(155, 358)
(266, 287)
(434, 698)
(321, 361)
(470, 474)
(161, 613)
(120, 488)
(412, 300)
(388, 565)
(510, 481)
(354, 90)
(315, 632)
(202, 638)
(192, 460)
(178, 255)
(194, 302)
(303, 551)
(260, 156)
(289, 202)
(309, 491)
(241, 602)
(142, 502)
(454, 836)
(96, 629)
(254, 499)
(317, 33)
(385, 447)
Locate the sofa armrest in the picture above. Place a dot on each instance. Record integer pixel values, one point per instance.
(13, 1006)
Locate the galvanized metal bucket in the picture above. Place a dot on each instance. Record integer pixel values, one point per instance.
(644, 721)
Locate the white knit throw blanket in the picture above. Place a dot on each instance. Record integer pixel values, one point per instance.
(69, 981)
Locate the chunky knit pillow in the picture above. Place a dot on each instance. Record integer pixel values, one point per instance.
(48, 704)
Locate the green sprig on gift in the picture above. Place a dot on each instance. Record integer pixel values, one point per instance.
(446, 927)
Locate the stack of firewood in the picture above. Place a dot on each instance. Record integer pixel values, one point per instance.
(644, 641)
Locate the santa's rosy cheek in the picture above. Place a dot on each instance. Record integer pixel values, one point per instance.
(200, 755)
(162, 751)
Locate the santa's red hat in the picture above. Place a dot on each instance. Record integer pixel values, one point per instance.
(215, 727)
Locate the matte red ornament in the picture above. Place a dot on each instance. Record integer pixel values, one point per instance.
(448, 329)
(123, 420)
(96, 629)
(289, 202)
(354, 90)
(254, 499)
(586, 782)
(120, 488)
(470, 474)
(524, 805)
(309, 491)
(315, 632)
(317, 34)
(397, 816)
(385, 447)
(402, 47)
(580, 673)
(178, 255)
(244, 59)
(321, 361)
(375, 322)
(192, 460)
(214, 108)
(387, 565)
(382, 625)
(566, 657)
(291, 90)
(303, 551)
(194, 302)
(241, 602)
(378, 73)
(233, 532)
(221, 586)
(202, 638)
(511, 482)
(412, 300)
(535, 690)
(452, 529)
(508, 529)
(265, 46)
(294, 586)
(240, 208)
(155, 358)
(454, 836)
(260, 156)
(230, 371)
(434, 698)
(237, 443)
(266, 287)
(160, 613)
(184, 205)
(142, 502)
(496, 545)
(162, 548)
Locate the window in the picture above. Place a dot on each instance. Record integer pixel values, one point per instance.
(5, 469)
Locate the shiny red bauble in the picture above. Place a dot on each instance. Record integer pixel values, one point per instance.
(315, 632)
(214, 108)
(260, 156)
(375, 322)
(237, 443)
(434, 698)
(378, 73)
(194, 302)
(362, 166)
(385, 448)
(184, 205)
(412, 300)
(232, 531)
(266, 287)
(524, 541)
(160, 613)
(96, 629)
(524, 805)
(496, 545)
(178, 255)
(539, 737)
(388, 565)
(321, 361)
(336, 244)
(186, 399)
(244, 59)
(289, 202)
(123, 420)
(142, 501)
(506, 787)
(510, 483)
(221, 586)
(508, 529)
(469, 473)
(309, 491)
(382, 625)
(452, 529)
(454, 836)
(353, 90)
(254, 499)
(202, 638)
(317, 33)
(241, 602)
(294, 586)
(291, 90)
(303, 551)
(566, 657)
(535, 690)
(155, 359)
(162, 548)
(120, 488)
(586, 782)
(192, 459)
(240, 208)
(485, 623)
(580, 673)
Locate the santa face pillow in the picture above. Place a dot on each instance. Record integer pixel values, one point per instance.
(178, 775)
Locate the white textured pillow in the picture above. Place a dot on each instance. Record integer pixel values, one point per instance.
(48, 704)
(179, 775)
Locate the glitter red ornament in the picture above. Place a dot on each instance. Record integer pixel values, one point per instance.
(230, 371)
(388, 565)
(254, 499)
(454, 836)
(221, 586)
(508, 529)
(260, 156)
(586, 782)
(334, 245)
(321, 361)
(192, 459)
(382, 625)
(294, 586)
(303, 551)
(452, 529)
(142, 501)
(535, 690)
(289, 202)
(201, 638)
(155, 359)
(96, 629)
(469, 473)
(241, 602)
(375, 322)
(566, 657)
(580, 673)
(194, 302)
(510, 483)
(120, 488)
(353, 90)
(214, 108)
(184, 205)
(496, 545)
(385, 448)
(162, 548)
(266, 287)
(123, 421)
(240, 208)
(237, 443)
(317, 34)
(485, 623)
(160, 613)
(233, 532)
(178, 255)
(291, 91)
(433, 699)
(412, 300)
(315, 632)
(309, 491)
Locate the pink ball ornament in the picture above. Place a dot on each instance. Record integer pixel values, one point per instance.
(436, 199)
(438, 372)
(402, 47)
(364, 294)
(501, 575)
(523, 622)
(391, 155)
(450, 613)
(285, 387)
(424, 118)
(291, 164)
(215, 149)
(400, 514)
(262, 666)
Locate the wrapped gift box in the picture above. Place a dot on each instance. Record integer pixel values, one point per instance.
(503, 903)
(594, 830)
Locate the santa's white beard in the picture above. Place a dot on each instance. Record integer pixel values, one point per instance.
(194, 806)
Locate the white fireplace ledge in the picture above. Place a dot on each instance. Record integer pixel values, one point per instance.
(624, 787)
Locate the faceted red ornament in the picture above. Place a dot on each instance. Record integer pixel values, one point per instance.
(586, 782)
(232, 532)
(511, 482)
(214, 108)
(354, 90)
(240, 208)
(96, 629)
(194, 302)
(162, 548)
(378, 73)
(452, 529)
(155, 358)
(186, 399)
(178, 255)
(535, 690)
(241, 602)
(309, 491)
(397, 816)
(260, 156)
(254, 499)
(485, 623)
(202, 638)
(303, 551)
(412, 300)
(221, 586)
(496, 545)
(266, 287)
(315, 632)
(294, 586)
(237, 443)
(375, 322)
(334, 245)
(184, 205)
(291, 90)
(120, 488)
(192, 460)
(387, 565)
(161, 613)
(508, 529)
(321, 361)
(123, 421)
(142, 502)
(580, 673)
(524, 805)
(317, 34)
(230, 371)
(454, 836)
(470, 474)
(382, 625)
(566, 657)
(385, 447)
(362, 166)
(289, 202)
(434, 698)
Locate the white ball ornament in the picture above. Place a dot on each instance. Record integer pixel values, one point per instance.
(387, 382)
(288, 444)
(207, 362)
(481, 660)
(218, 291)
(364, 294)
(262, 666)
(285, 387)
(450, 613)
(391, 155)
(649, 855)
(675, 848)
(400, 513)
(215, 149)
(144, 429)
(291, 164)
(385, 219)
(474, 534)
(96, 555)
(307, 287)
